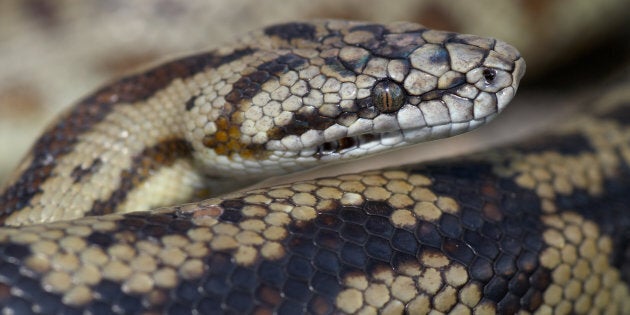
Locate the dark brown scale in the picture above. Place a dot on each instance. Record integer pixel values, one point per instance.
(190, 103)
(100, 239)
(79, 173)
(347, 119)
(345, 143)
(397, 46)
(376, 41)
(376, 29)
(368, 113)
(291, 31)
(304, 120)
(350, 66)
(343, 68)
(311, 119)
(328, 147)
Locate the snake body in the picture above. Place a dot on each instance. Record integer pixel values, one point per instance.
(516, 230)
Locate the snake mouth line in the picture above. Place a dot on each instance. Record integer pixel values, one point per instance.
(393, 138)
(363, 141)
(339, 145)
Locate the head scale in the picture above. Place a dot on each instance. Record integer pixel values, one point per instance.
(332, 90)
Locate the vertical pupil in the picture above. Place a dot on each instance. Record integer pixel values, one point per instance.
(388, 96)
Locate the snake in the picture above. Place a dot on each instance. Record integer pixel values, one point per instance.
(123, 205)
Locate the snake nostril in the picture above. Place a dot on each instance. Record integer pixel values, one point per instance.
(489, 75)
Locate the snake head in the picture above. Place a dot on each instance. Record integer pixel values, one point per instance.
(333, 90)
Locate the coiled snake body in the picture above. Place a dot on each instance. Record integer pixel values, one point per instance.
(534, 228)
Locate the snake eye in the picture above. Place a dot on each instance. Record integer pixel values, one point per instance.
(489, 75)
(388, 96)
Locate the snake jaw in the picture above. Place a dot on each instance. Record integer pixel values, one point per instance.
(341, 145)
(370, 143)
(447, 88)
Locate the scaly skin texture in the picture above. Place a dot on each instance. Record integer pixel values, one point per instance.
(285, 98)
(282, 99)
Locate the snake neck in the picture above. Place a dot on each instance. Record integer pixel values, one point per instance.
(137, 150)
(126, 135)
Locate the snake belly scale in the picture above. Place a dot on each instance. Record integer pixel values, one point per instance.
(528, 229)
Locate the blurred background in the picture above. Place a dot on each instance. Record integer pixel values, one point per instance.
(52, 53)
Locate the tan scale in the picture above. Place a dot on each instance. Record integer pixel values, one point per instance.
(138, 283)
(403, 290)
(583, 281)
(78, 295)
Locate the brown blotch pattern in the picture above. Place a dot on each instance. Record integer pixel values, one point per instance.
(227, 139)
(151, 254)
(151, 159)
(79, 173)
(62, 137)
